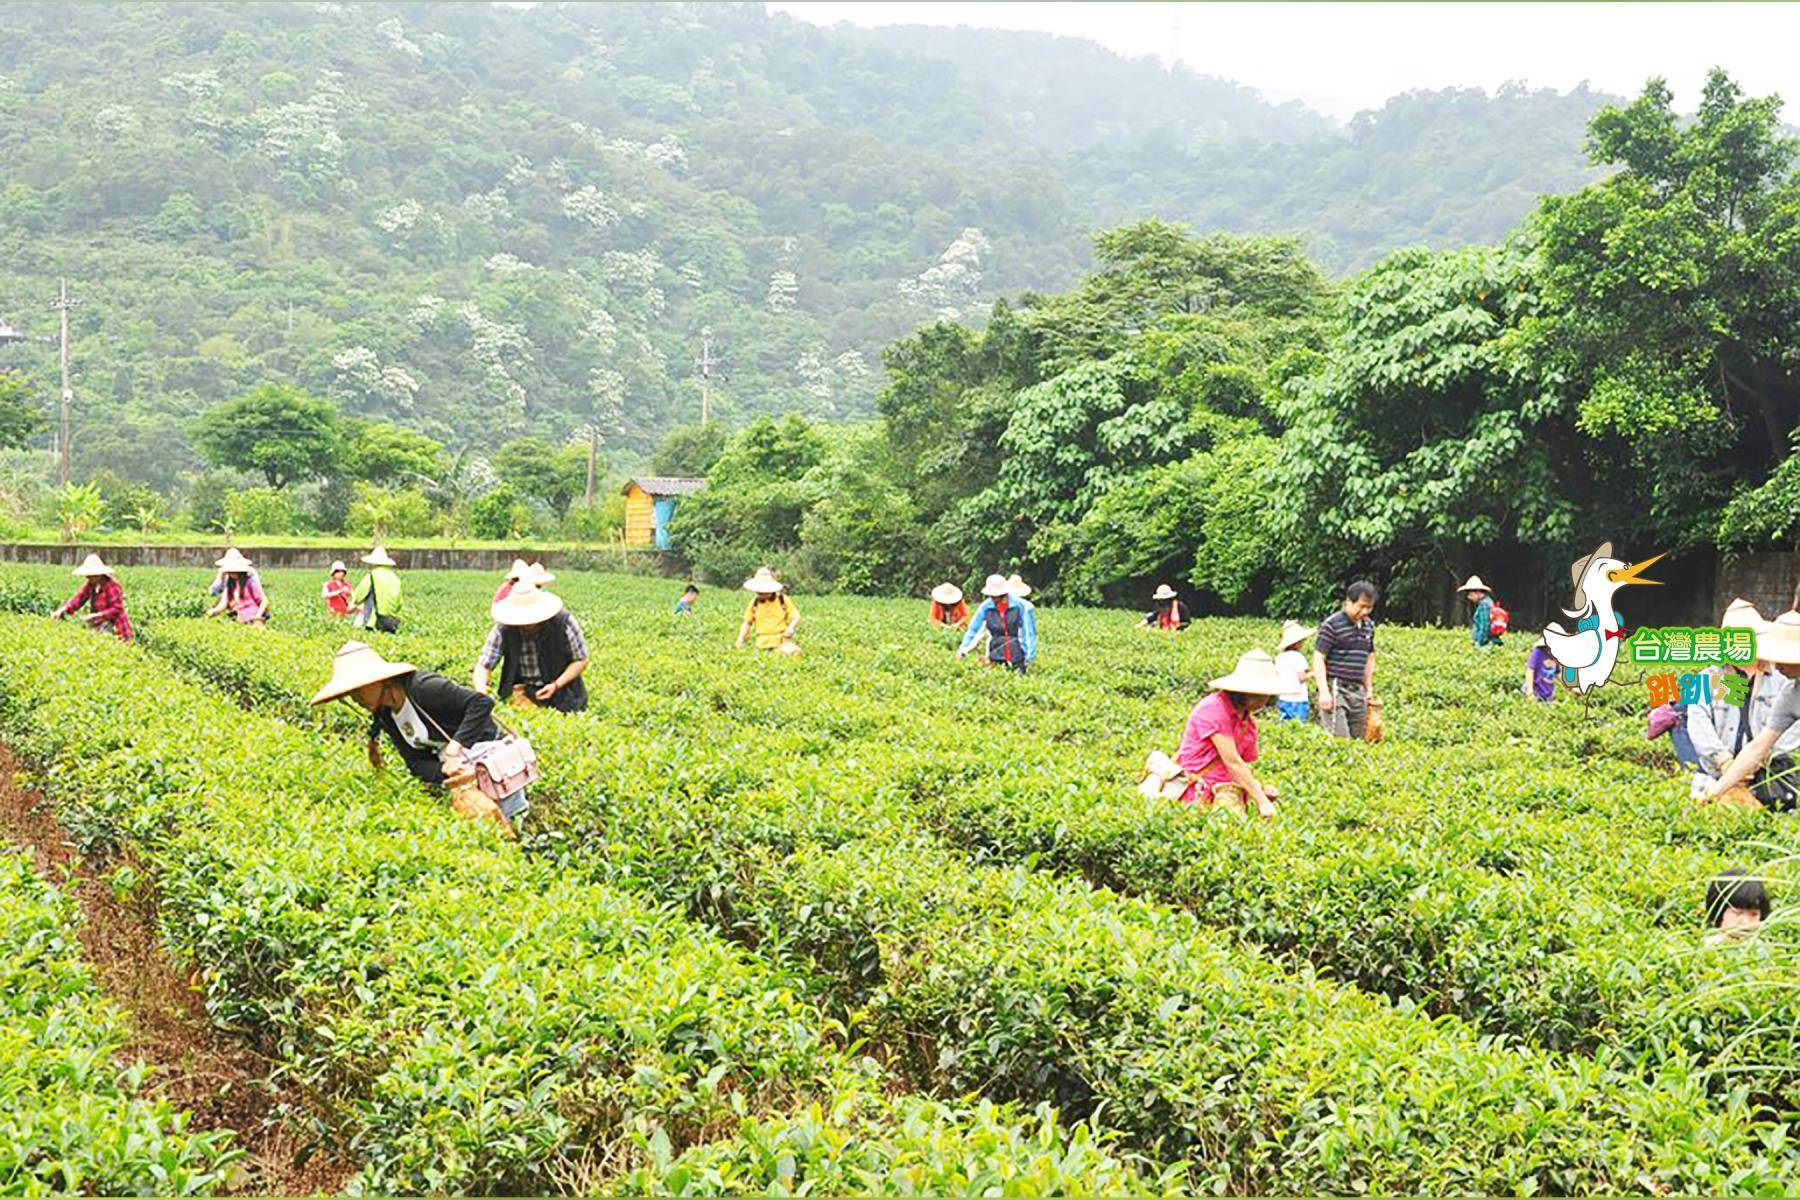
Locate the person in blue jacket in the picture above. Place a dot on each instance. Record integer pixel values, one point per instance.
(1481, 620)
(1007, 621)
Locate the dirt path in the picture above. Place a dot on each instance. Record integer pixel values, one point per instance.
(221, 1081)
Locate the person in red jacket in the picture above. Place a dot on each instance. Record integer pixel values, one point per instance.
(100, 590)
(337, 590)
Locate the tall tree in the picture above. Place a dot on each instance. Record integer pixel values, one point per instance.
(21, 415)
(1672, 292)
(276, 429)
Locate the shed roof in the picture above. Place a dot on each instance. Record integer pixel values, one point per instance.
(664, 486)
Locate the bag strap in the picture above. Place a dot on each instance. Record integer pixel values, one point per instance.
(420, 709)
(1743, 729)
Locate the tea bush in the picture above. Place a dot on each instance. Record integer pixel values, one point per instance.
(75, 1119)
(467, 1019)
(797, 815)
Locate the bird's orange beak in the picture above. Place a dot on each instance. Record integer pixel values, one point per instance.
(1630, 574)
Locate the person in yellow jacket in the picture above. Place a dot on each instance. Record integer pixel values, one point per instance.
(771, 615)
(377, 597)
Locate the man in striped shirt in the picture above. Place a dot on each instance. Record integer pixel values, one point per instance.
(1344, 662)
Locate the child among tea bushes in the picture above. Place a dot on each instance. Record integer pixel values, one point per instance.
(1737, 904)
(1290, 661)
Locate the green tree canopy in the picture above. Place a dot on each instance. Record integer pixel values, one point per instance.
(537, 470)
(276, 430)
(689, 451)
(389, 455)
(21, 415)
(1672, 297)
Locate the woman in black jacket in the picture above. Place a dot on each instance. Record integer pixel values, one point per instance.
(430, 719)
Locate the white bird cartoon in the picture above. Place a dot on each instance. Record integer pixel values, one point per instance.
(1587, 656)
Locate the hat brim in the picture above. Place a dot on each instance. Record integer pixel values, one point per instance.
(375, 561)
(762, 587)
(996, 593)
(535, 611)
(1257, 684)
(86, 572)
(1164, 594)
(338, 688)
(1782, 650)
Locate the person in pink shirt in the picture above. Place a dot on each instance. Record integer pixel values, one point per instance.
(242, 595)
(1219, 743)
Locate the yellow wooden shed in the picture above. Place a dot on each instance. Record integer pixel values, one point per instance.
(649, 503)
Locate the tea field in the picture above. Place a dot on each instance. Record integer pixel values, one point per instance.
(876, 919)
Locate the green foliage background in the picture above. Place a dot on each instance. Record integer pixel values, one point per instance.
(483, 222)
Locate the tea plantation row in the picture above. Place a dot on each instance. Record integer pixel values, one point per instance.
(467, 1018)
(732, 840)
(73, 1118)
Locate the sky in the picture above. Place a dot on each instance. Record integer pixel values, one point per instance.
(1340, 58)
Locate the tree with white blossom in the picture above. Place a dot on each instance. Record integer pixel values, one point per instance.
(950, 285)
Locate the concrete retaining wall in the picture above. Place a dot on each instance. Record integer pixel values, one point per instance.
(321, 557)
(1769, 581)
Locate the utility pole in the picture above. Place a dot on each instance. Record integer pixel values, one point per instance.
(706, 363)
(62, 306)
(593, 460)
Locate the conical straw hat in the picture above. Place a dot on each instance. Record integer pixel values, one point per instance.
(1474, 584)
(947, 593)
(1255, 673)
(92, 566)
(1741, 614)
(1292, 634)
(378, 557)
(763, 582)
(526, 604)
(233, 560)
(1778, 641)
(358, 665)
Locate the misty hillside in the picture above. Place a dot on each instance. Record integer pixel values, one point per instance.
(479, 220)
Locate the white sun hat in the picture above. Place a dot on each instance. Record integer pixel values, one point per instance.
(91, 566)
(995, 587)
(357, 665)
(1017, 586)
(539, 574)
(378, 557)
(763, 582)
(1778, 641)
(947, 593)
(1292, 634)
(1741, 614)
(1474, 584)
(1164, 592)
(337, 564)
(1255, 672)
(519, 569)
(233, 561)
(526, 604)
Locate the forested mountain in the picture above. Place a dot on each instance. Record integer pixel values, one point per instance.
(481, 221)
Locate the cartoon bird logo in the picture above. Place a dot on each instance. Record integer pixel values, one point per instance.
(1588, 655)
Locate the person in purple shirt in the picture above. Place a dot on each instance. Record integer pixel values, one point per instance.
(1540, 674)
